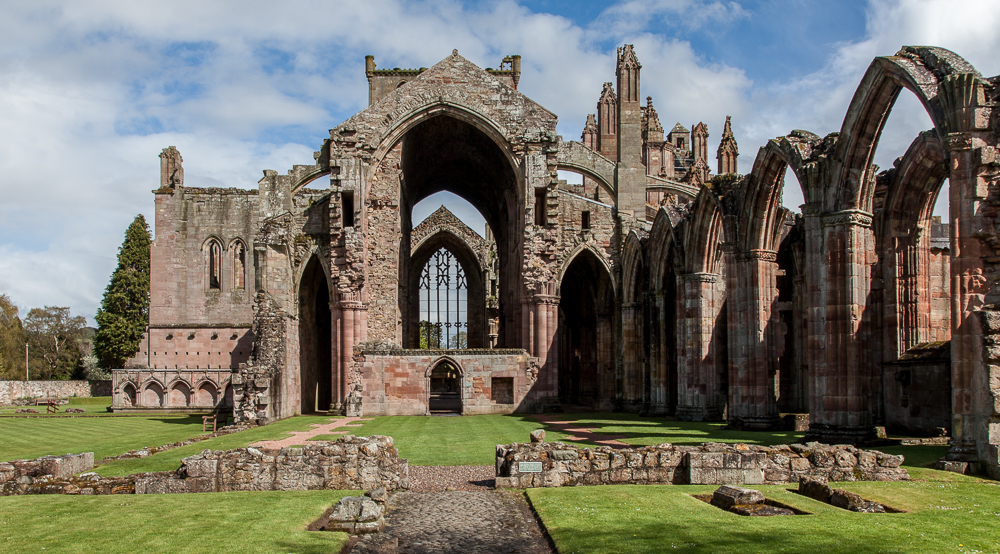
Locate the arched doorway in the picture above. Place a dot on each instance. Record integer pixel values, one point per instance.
(445, 388)
(585, 335)
(315, 326)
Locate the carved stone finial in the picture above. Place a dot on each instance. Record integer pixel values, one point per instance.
(454, 52)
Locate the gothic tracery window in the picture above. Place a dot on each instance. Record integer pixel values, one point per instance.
(443, 303)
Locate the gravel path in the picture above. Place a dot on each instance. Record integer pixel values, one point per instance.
(451, 478)
(493, 522)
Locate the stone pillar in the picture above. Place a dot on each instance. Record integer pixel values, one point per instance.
(699, 397)
(337, 383)
(974, 401)
(753, 363)
(351, 334)
(844, 379)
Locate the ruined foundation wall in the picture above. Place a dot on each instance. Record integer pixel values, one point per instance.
(564, 465)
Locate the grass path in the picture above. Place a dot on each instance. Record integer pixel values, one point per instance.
(177, 523)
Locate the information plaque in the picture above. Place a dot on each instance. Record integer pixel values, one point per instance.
(529, 467)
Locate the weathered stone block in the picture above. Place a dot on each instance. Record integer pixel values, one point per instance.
(728, 496)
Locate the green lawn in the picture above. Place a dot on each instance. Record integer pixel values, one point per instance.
(452, 441)
(947, 514)
(29, 438)
(177, 523)
(95, 405)
(171, 459)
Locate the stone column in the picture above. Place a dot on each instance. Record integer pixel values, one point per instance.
(698, 387)
(973, 401)
(337, 383)
(841, 409)
(753, 365)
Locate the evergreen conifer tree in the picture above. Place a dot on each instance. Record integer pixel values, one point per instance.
(124, 312)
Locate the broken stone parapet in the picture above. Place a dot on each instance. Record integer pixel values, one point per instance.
(556, 464)
(347, 463)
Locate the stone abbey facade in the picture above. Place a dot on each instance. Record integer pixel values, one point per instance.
(655, 286)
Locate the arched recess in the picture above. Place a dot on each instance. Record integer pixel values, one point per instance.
(441, 150)
(586, 305)
(444, 386)
(152, 395)
(913, 311)
(238, 254)
(635, 383)
(916, 68)
(179, 395)
(128, 395)
(206, 395)
(315, 339)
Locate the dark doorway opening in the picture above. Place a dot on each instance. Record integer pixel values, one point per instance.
(445, 389)
(314, 339)
(584, 331)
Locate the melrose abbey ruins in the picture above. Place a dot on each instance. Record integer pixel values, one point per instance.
(656, 286)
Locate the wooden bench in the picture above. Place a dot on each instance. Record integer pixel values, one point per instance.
(209, 419)
(50, 405)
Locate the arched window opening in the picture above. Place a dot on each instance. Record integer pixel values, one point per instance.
(443, 303)
(214, 265)
(239, 264)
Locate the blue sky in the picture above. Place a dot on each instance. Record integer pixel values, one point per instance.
(91, 91)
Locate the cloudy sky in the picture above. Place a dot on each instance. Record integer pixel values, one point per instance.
(92, 90)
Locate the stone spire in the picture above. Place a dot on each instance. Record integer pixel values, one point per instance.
(607, 123)
(589, 136)
(699, 142)
(652, 130)
(631, 174)
(728, 151)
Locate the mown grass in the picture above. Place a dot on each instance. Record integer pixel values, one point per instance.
(177, 523)
(93, 406)
(29, 438)
(947, 513)
(170, 460)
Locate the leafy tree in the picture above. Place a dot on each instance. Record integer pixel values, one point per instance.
(124, 312)
(12, 341)
(460, 340)
(430, 335)
(54, 337)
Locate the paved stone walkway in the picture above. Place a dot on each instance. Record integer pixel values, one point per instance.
(578, 432)
(493, 522)
(300, 437)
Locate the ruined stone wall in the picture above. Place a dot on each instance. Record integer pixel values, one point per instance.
(349, 463)
(564, 465)
(384, 234)
(181, 299)
(21, 476)
(13, 390)
(940, 281)
(398, 382)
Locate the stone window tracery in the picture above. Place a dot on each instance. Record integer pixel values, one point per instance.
(443, 303)
(239, 264)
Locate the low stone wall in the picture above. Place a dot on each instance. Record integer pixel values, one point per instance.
(13, 390)
(563, 465)
(18, 476)
(349, 463)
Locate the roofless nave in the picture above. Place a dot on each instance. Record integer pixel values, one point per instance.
(655, 286)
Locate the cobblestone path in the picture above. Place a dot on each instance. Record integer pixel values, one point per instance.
(494, 522)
